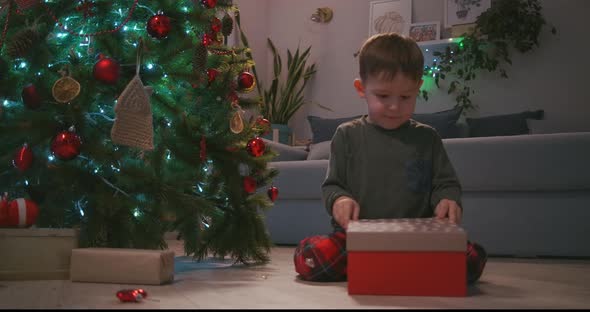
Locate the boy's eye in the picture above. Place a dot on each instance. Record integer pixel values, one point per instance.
(382, 96)
(405, 97)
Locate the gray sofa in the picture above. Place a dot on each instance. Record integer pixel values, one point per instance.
(523, 195)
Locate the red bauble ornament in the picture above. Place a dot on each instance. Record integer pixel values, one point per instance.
(158, 26)
(216, 25)
(22, 212)
(264, 124)
(273, 193)
(246, 82)
(131, 295)
(66, 145)
(212, 74)
(31, 97)
(209, 4)
(207, 39)
(256, 147)
(249, 185)
(106, 70)
(23, 158)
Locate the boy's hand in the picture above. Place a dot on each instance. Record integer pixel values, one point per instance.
(448, 208)
(345, 209)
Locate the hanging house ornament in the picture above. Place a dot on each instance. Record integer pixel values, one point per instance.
(65, 89)
(133, 124)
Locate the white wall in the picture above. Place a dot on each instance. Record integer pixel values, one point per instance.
(552, 77)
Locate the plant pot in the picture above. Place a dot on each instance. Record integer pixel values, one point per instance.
(284, 133)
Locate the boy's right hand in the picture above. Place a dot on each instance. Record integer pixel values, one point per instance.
(345, 209)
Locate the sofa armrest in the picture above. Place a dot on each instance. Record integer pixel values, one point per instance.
(286, 152)
(300, 179)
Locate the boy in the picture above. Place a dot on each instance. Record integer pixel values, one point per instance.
(384, 165)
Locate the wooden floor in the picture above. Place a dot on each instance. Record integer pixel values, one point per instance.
(213, 284)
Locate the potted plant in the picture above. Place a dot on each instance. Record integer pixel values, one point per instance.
(284, 98)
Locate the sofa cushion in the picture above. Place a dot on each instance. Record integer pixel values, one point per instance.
(286, 152)
(502, 125)
(536, 162)
(445, 122)
(319, 150)
(300, 179)
(323, 129)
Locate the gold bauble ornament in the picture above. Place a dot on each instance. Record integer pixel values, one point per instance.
(65, 89)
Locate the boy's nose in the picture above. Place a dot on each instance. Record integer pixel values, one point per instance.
(393, 105)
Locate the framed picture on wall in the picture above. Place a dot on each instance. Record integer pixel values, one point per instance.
(459, 12)
(390, 16)
(425, 31)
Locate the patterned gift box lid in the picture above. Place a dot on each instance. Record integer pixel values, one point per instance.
(423, 234)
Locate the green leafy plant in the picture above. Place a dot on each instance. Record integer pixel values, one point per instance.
(284, 98)
(507, 26)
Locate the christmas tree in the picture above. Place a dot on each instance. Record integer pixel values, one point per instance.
(125, 119)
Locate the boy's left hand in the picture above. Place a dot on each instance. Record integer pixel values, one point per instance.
(448, 208)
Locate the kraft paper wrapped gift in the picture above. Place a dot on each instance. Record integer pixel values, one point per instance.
(407, 257)
(123, 266)
(36, 253)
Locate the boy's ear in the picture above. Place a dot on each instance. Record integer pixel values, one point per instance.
(360, 89)
(420, 84)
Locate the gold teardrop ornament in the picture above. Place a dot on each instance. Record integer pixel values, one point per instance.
(236, 124)
(65, 89)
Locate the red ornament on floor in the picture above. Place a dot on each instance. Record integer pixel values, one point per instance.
(256, 147)
(131, 295)
(249, 185)
(273, 193)
(66, 145)
(158, 26)
(106, 70)
(23, 158)
(22, 212)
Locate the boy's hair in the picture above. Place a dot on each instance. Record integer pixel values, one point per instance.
(385, 55)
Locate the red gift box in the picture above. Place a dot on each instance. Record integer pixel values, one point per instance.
(406, 257)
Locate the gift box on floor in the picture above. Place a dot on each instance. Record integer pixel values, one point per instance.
(407, 257)
(123, 266)
(36, 253)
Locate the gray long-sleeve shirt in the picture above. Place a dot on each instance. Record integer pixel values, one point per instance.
(400, 173)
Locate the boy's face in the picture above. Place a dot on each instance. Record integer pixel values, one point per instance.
(391, 102)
